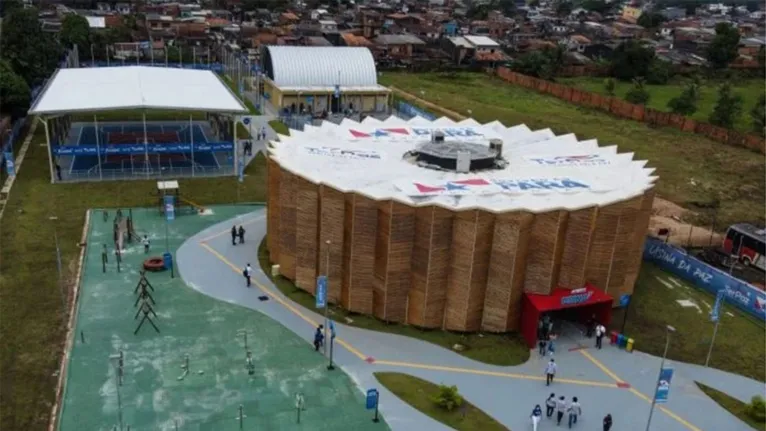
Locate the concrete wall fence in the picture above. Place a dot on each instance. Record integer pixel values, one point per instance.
(436, 268)
(623, 109)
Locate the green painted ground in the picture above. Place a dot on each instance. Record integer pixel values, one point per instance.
(152, 395)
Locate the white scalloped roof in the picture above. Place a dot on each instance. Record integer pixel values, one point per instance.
(545, 172)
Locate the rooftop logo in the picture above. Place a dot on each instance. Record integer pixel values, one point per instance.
(344, 153)
(575, 160)
(481, 186)
(417, 132)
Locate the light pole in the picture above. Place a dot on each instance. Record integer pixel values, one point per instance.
(53, 220)
(669, 329)
(118, 383)
(327, 294)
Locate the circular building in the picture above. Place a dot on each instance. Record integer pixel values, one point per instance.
(460, 226)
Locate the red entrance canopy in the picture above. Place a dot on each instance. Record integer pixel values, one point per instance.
(566, 298)
(592, 299)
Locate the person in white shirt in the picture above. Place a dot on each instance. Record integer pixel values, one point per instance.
(574, 411)
(145, 242)
(561, 407)
(247, 272)
(550, 405)
(600, 331)
(550, 372)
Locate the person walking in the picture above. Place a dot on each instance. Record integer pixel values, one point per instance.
(550, 372)
(600, 331)
(241, 234)
(537, 414)
(590, 326)
(541, 346)
(263, 132)
(574, 411)
(318, 337)
(550, 405)
(247, 272)
(607, 422)
(551, 344)
(233, 235)
(145, 242)
(561, 407)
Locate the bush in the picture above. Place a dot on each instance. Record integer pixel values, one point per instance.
(448, 398)
(638, 94)
(659, 72)
(609, 85)
(757, 409)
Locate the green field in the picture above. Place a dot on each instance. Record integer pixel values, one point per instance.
(418, 393)
(733, 405)
(692, 170)
(739, 346)
(32, 325)
(248, 104)
(748, 89)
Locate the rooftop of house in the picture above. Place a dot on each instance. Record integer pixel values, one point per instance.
(398, 39)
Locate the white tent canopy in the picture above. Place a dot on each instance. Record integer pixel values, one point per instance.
(135, 87)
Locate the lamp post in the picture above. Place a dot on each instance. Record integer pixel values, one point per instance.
(668, 330)
(327, 294)
(53, 220)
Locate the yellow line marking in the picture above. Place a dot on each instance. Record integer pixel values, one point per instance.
(287, 305)
(493, 373)
(635, 392)
(216, 235)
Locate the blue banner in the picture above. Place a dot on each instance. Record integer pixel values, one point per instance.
(663, 386)
(744, 296)
(170, 207)
(321, 294)
(371, 400)
(215, 67)
(241, 170)
(10, 166)
(332, 329)
(407, 109)
(92, 150)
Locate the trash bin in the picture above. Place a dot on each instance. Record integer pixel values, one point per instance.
(613, 337)
(620, 341)
(629, 346)
(168, 259)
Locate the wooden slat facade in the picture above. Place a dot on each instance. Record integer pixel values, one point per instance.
(435, 268)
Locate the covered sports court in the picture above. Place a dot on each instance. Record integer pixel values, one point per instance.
(139, 122)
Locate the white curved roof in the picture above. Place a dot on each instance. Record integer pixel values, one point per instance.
(319, 66)
(545, 172)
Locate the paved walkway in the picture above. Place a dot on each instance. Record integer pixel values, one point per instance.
(605, 381)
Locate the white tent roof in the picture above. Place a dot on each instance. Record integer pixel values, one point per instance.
(545, 172)
(135, 87)
(321, 66)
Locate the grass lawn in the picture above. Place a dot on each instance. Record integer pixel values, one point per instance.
(244, 99)
(418, 393)
(279, 127)
(733, 405)
(739, 345)
(31, 323)
(748, 89)
(497, 349)
(692, 169)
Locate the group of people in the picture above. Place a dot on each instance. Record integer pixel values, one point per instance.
(237, 234)
(561, 407)
(260, 135)
(545, 336)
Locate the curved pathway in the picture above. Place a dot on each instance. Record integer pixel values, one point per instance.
(605, 381)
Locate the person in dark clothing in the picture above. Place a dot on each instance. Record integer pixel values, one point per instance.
(607, 422)
(590, 326)
(541, 347)
(318, 338)
(241, 234)
(58, 171)
(233, 235)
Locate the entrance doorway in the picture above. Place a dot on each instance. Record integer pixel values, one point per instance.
(334, 104)
(569, 310)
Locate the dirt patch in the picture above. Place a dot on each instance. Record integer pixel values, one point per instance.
(667, 215)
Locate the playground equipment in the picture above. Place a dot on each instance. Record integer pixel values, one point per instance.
(182, 205)
(144, 303)
(154, 264)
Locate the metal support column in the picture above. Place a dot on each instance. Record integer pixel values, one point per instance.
(236, 145)
(146, 144)
(98, 148)
(191, 137)
(50, 148)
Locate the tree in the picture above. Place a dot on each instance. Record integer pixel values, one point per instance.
(31, 53)
(534, 3)
(543, 64)
(7, 6)
(448, 398)
(659, 72)
(638, 93)
(758, 115)
(631, 60)
(75, 30)
(762, 57)
(14, 92)
(650, 20)
(686, 102)
(727, 108)
(691, 9)
(563, 8)
(599, 6)
(609, 86)
(723, 49)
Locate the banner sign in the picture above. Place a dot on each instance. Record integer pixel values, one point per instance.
(412, 111)
(343, 153)
(215, 67)
(92, 150)
(481, 186)
(416, 132)
(663, 386)
(746, 297)
(170, 207)
(321, 294)
(10, 166)
(577, 296)
(568, 161)
(715, 313)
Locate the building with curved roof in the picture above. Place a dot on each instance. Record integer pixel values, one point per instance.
(461, 226)
(316, 79)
